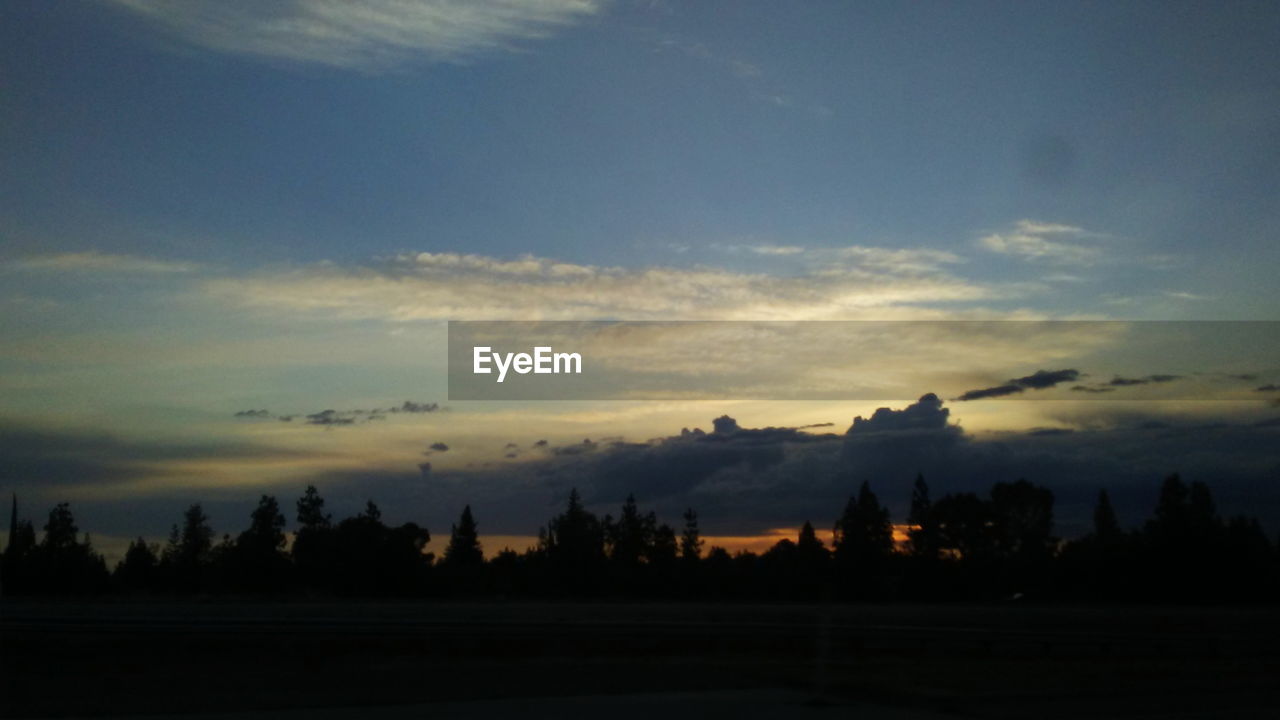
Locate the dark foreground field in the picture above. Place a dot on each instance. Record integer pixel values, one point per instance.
(571, 660)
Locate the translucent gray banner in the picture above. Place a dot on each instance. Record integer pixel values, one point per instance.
(964, 361)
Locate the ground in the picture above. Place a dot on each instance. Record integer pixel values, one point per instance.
(533, 660)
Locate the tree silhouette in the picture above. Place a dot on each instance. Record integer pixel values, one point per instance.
(311, 514)
(628, 540)
(1022, 526)
(138, 570)
(1106, 528)
(266, 528)
(197, 537)
(690, 538)
(17, 572)
(61, 564)
(372, 559)
(187, 555)
(60, 531)
(962, 546)
(811, 558)
(924, 525)
(464, 544)
(315, 543)
(664, 549)
(574, 545)
(1022, 519)
(962, 521)
(256, 561)
(863, 540)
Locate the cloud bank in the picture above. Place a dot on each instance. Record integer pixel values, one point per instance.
(745, 480)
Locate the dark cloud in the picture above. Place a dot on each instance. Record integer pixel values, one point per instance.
(741, 481)
(1267, 388)
(1039, 380)
(92, 471)
(991, 392)
(1125, 382)
(40, 456)
(724, 425)
(752, 479)
(1042, 379)
(926, 413)
(1121, 382)
(415, 407)
(331, 418)
(438, 447)
(585, 446)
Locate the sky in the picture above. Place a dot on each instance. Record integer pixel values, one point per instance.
(210, 208)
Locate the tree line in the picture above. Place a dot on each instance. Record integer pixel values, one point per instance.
(959, 547)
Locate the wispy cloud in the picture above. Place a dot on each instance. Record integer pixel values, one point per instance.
(895, 260)
(776, 249)
(433, 286)
(1044, 242)
(370, 35)
(93, 261)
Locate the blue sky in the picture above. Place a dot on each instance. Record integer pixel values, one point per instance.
(633, 128)
(207, 207)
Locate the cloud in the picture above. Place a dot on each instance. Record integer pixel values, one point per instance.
(92, 261)
(332, 417)
(1039, 380)
(776, 249)
(746, 479)
(1119, 382)
(990, 392)
(1042, 228)
(837, 259)
(1150, 379)
(1043, 242)
(1267, 388)
(438, 286)
(368, 35)
(40, 457)
(1042, 379)
(926, 413)
(417, 408)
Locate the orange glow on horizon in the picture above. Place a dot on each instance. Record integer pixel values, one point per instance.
(494, 544)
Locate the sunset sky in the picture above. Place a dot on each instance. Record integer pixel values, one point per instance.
(212, 208)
